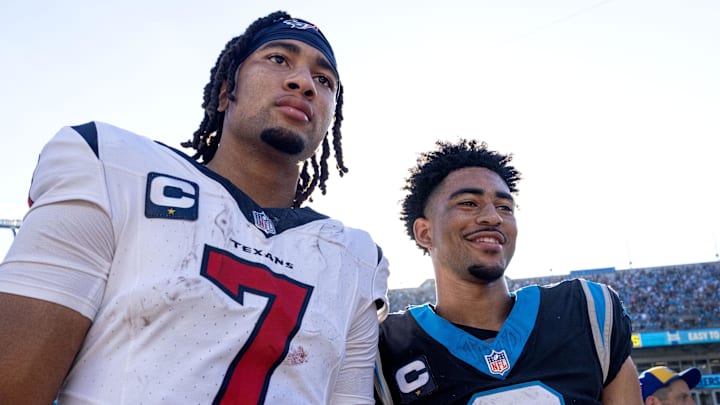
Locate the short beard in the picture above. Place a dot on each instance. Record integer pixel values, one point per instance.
(283, 140)
(486, 274)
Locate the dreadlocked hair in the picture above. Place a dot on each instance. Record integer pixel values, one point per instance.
(434, 166)
(207, 137)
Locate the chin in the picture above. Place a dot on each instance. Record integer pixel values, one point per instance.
(486, 273)
(284, 140)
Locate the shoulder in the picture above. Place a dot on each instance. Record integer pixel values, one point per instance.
(115, 143)
(356, 242)
(564, 291)
(577, 286)
(398, 326)
(400, 317)
(93, 132)
(360, 256)
(94, 141)
(598, 297)
(594, 297)
(79, 160)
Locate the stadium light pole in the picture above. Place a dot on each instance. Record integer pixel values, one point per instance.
(12, 224)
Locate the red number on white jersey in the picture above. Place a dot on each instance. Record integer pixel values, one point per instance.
(248, 376)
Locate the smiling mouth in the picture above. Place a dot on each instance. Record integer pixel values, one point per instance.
(487, 239)
(488, 236)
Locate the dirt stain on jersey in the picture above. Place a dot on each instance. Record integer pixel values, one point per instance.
(296, 356)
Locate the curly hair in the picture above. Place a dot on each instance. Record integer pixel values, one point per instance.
(432, 168)
(206, 138)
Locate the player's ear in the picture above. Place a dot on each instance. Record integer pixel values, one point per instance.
(422, 228)
(223, 100)
(653, 400)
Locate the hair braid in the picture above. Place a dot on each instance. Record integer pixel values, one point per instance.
(337, 135)
(302, 184)
(323, 165)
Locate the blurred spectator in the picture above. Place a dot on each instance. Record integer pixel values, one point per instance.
(663, 386)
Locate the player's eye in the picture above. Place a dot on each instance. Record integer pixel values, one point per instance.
(279, 59)
(506, 208)
(326, 81)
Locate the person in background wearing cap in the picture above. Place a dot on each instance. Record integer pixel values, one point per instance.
(144, 275)
(663, 386)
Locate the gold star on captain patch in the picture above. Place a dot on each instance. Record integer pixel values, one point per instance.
(171, 211)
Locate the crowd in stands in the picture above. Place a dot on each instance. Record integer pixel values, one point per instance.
(658, 298)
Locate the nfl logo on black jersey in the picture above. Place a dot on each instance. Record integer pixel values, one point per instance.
(497, 362)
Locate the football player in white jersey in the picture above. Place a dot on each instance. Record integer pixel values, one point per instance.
(141, 275)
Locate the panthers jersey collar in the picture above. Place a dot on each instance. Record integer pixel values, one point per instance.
(497, 358)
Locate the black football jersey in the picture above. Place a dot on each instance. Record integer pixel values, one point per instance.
(561, 344)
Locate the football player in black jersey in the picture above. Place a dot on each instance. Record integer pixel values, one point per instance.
(568, 343)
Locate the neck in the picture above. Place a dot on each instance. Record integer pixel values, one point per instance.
(270, 182)
(482, 306)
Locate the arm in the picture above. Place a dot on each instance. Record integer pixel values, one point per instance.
(53, 277)
(624, 389)
(38, 343)
(51, 284)
(354, 384)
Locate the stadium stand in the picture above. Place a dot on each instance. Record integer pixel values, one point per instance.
(658, 298)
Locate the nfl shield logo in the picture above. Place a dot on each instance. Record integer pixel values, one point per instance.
(263, 223)
(497, 362)
(300, 25)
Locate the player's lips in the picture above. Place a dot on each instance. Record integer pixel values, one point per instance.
(486, 236)
(296, 108)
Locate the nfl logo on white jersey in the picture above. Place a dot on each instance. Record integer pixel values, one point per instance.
(263, 223)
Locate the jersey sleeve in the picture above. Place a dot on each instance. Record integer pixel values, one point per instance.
(380, 286)
(63, 251)
(610, 327)
(621, 341)
(354, 384)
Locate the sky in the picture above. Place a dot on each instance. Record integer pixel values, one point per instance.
(611, 109)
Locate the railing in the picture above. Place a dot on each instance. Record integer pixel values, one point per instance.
(12, 224)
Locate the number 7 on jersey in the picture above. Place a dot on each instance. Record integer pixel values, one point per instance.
(247, 378)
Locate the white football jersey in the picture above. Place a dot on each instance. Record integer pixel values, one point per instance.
(207, 297)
